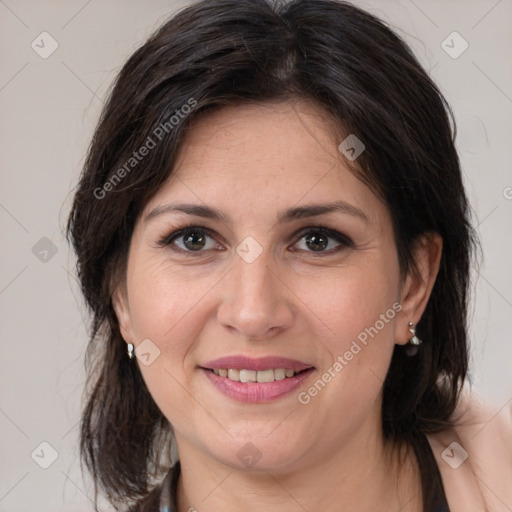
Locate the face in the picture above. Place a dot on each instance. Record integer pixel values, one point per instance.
(232, 271)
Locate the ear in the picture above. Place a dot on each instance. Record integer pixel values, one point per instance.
(122, 310)
(417, 286)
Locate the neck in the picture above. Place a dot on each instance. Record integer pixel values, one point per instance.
(365, 475)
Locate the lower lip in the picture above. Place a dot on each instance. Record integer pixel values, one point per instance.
(257, 392)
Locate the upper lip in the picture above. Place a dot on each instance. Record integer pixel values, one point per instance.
(241, 362)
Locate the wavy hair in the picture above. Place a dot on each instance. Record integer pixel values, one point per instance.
(215, 53)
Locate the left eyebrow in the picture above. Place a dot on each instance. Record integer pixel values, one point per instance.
(313, 210)
(288, 215)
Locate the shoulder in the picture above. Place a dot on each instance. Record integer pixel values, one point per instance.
(475, 455)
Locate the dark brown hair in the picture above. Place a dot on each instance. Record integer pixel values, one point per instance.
(220, 52)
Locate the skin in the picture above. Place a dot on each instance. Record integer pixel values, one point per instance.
(252, 162)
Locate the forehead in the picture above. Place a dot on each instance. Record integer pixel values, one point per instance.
(270, 155)
(268, 133)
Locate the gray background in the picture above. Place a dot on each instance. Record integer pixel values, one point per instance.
(49, 109)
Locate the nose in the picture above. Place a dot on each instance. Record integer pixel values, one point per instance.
(256, 302)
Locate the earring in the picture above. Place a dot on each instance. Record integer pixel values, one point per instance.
(131, 350)
(412, 348)
(414, 340)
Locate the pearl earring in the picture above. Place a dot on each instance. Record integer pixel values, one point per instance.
(412, 348)
(414, 340)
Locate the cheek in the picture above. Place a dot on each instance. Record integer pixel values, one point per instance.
(167, 307)
(162, 300)
(357, 319)
(357, 310)
(352, 299)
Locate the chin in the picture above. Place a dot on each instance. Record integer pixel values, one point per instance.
(256, 453)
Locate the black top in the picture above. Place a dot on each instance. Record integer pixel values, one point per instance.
(163, 497)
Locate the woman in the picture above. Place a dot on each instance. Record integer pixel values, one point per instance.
(273, 237)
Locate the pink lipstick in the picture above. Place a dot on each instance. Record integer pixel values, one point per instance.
(256, 380)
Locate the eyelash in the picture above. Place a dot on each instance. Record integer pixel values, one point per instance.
(343, 240)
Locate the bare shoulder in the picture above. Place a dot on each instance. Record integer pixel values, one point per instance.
(475, 455)
(483, 424)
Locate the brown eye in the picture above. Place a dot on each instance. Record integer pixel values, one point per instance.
(191, 239)
(194, 241)
(317, 242)
(323, 240)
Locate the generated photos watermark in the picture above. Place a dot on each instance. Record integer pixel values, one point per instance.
(304, 397)
(151, 142)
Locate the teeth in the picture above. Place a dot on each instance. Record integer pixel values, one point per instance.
(269, 375)
(247, 376)
(265, 376)
(279, 374)
(234, 374)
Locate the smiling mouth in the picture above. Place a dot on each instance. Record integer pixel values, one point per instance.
(256, 380)
(269, 375)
